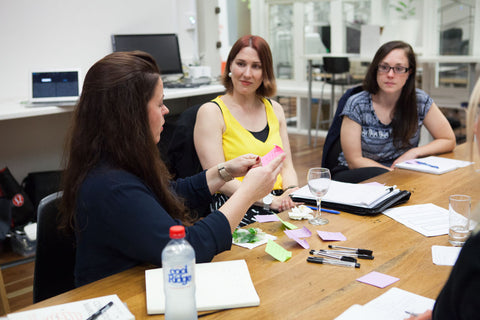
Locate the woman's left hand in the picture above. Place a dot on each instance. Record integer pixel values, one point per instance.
(239, 166)
(284, 202)
(409, 155)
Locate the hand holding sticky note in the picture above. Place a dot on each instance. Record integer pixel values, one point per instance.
(275, 152)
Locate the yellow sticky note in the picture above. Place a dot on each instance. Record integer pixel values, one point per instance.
(277, 251)
(287, 224)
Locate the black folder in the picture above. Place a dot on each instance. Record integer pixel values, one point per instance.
(397, 198)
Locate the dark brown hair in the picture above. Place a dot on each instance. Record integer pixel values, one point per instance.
(110, 123)
(405, 116)
(268, 87)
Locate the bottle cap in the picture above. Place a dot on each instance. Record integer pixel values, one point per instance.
(177, 232)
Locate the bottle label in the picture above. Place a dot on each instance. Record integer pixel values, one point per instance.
(179, 276)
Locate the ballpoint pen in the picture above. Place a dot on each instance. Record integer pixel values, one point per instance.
(349, 253)
(355, 250)
(100, 311)
(325, 210)
(412, 313)
(426, 164)
(342, 258)
(333, 262)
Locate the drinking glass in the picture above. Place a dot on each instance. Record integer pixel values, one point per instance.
(318, 182)
(459, 224)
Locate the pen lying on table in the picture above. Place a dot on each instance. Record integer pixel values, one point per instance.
(348, 253)
(325, 210)
(355, 250)
(333, 262)
(342, 258)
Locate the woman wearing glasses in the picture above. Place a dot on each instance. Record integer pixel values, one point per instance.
(381, 125)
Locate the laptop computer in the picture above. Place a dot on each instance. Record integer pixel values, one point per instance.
(54, 87)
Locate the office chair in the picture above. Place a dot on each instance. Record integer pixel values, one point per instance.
(55, 253)
(334, 66)
(332, 146)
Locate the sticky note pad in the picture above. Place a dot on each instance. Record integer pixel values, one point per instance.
(287, 224)
(378, 279)
(277, 251)
(298, 233)
(266, 218)
(331, 236)
(276, 151)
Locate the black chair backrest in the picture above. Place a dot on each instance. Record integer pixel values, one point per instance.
(332, 146)
(181, 155)
(336, 65)
(55, 253)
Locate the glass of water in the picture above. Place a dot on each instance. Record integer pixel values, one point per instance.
(318, 182)
(459, 223)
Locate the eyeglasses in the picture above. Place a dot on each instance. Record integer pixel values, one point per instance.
(385, 68)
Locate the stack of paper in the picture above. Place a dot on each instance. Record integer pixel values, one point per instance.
(391, 305)
(219, 285)
(78, 310)
(427, 219)
(432, 164)
(361, 195)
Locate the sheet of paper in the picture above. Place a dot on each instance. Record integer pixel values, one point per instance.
(397, 301)
(445, 256)
(266, 218)
(358, 312)
(331, 236)
(358, 194)
(258, 243)
(277, 251)
(427, 219)
(378, 279)
(78, 310)
(276, 151)
(433, 164)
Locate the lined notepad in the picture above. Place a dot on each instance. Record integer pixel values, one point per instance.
(219, 285)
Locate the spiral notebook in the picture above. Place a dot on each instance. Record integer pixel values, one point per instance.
(361, 199)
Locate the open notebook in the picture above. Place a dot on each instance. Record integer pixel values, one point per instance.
(433, 164)
(219, 285)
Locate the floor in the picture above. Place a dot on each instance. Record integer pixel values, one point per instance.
(19, 279)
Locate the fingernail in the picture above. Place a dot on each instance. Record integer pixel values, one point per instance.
(258, 158)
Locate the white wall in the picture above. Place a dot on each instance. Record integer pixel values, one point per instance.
(76, 33)
(66, 33)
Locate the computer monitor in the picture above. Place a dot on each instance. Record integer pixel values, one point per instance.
(163, 47)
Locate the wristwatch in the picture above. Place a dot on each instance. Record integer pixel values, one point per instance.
(267, 201)
(222, 171)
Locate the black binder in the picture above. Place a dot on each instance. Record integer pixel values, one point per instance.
(397, 198)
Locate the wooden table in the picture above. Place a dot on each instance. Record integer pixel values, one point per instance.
(297, 289)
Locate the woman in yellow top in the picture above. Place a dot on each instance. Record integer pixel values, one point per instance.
(245, 121)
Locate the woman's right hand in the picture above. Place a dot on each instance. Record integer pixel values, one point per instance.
(259, 181)
(427, 315)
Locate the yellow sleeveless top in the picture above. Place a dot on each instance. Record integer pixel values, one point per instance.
(237, 140)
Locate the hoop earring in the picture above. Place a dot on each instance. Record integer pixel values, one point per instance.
(229, 74)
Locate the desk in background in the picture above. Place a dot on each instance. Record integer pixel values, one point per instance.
(297, 289)
(32, 138)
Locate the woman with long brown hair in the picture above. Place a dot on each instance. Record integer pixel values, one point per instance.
(381, 125)
(118, 197)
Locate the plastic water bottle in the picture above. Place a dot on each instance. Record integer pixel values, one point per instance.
(178, 263)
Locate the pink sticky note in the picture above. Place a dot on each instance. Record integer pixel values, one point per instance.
(266, 217)
(298, 233)
(378, 279)
(331, 236)
(271, 155)
(301, 242)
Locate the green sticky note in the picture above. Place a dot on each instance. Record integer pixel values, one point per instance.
(287, 224)
(277, 251)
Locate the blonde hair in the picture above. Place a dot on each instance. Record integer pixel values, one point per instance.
(472, 113)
